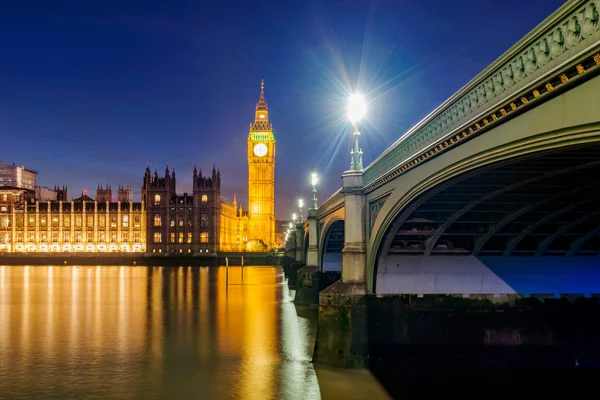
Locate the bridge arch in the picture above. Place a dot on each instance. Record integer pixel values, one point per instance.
(305, 242)
(331, 244)
(527, 135)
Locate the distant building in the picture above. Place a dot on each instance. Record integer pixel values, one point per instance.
(45, 194)
(79, 225)
(182, 223)
(124, 194)
(34, 219)
(17, 177)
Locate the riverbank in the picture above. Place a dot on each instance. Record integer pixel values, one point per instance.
(133, 259)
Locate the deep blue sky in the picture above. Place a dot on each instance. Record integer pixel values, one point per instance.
(93, 91)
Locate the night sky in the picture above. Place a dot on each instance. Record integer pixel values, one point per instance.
(93, 91)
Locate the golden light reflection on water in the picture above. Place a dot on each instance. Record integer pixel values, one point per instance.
(151, 332)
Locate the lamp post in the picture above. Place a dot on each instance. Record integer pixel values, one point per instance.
(294, 218)
(357, 108)
(314, 179)
(300, 205)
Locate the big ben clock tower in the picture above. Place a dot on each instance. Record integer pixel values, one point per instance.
(261, 175)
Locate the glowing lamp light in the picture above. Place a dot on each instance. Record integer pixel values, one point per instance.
(357, 108)
(314, 179)
(294, 217)
(300, 203)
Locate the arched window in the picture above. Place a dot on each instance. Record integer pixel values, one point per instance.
(157, 220)
(204, 199)
(156, 199)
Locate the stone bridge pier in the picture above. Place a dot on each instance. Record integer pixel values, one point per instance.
(341, 333)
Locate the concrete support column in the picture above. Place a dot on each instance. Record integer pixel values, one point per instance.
(354, 254)
(300, 242)
(312, 254)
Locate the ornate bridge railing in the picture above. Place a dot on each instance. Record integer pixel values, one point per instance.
(561, 51)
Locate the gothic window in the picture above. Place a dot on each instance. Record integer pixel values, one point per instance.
(136, 222)
(189, 237)
(113, 237)
(101, 221)
(43, 222)
(172, 223)
(172, 237)
(180, 237)
(157, 220)
(157, 237)
(125, 221)
(157, 199)
(32, 222)
(180, 221)
(204, 237)
(203, 220)
(113, 221)
(204, 199)
(55, 222)
(101, 237)
(4, 222)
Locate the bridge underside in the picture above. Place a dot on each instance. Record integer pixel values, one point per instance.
(492, 230)
(333, 245)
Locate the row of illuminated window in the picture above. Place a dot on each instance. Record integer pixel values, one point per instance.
(180, 221)
(66, 237)
(158, 198)
(157, 237)
(78, 221)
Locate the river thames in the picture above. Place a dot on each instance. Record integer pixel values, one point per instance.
(160, 333)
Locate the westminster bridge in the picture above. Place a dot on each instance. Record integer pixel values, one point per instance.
(493, 196)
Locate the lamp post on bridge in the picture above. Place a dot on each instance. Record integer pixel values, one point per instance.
(312, 253)
(357, 109)
(314, 179)
(354, 253)
(300, 205)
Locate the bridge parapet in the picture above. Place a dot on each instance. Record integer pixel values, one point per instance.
(527, 71)
(333, 203)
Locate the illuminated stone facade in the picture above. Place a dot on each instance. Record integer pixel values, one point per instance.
(261, 179)
(233, 235)
(164, 222)
(79, 225)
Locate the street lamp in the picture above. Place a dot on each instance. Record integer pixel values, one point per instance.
(300, 204)
(314, 179)
(294, 218)
(357, 108)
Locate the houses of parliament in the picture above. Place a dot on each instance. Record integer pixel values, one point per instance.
(34, 219)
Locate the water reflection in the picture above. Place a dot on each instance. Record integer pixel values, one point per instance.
(137, 332)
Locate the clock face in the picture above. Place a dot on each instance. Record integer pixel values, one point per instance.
(260, 149)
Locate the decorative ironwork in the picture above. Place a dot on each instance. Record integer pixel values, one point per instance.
(374, 208)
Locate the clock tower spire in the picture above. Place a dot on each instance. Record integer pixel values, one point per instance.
(261, 178)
